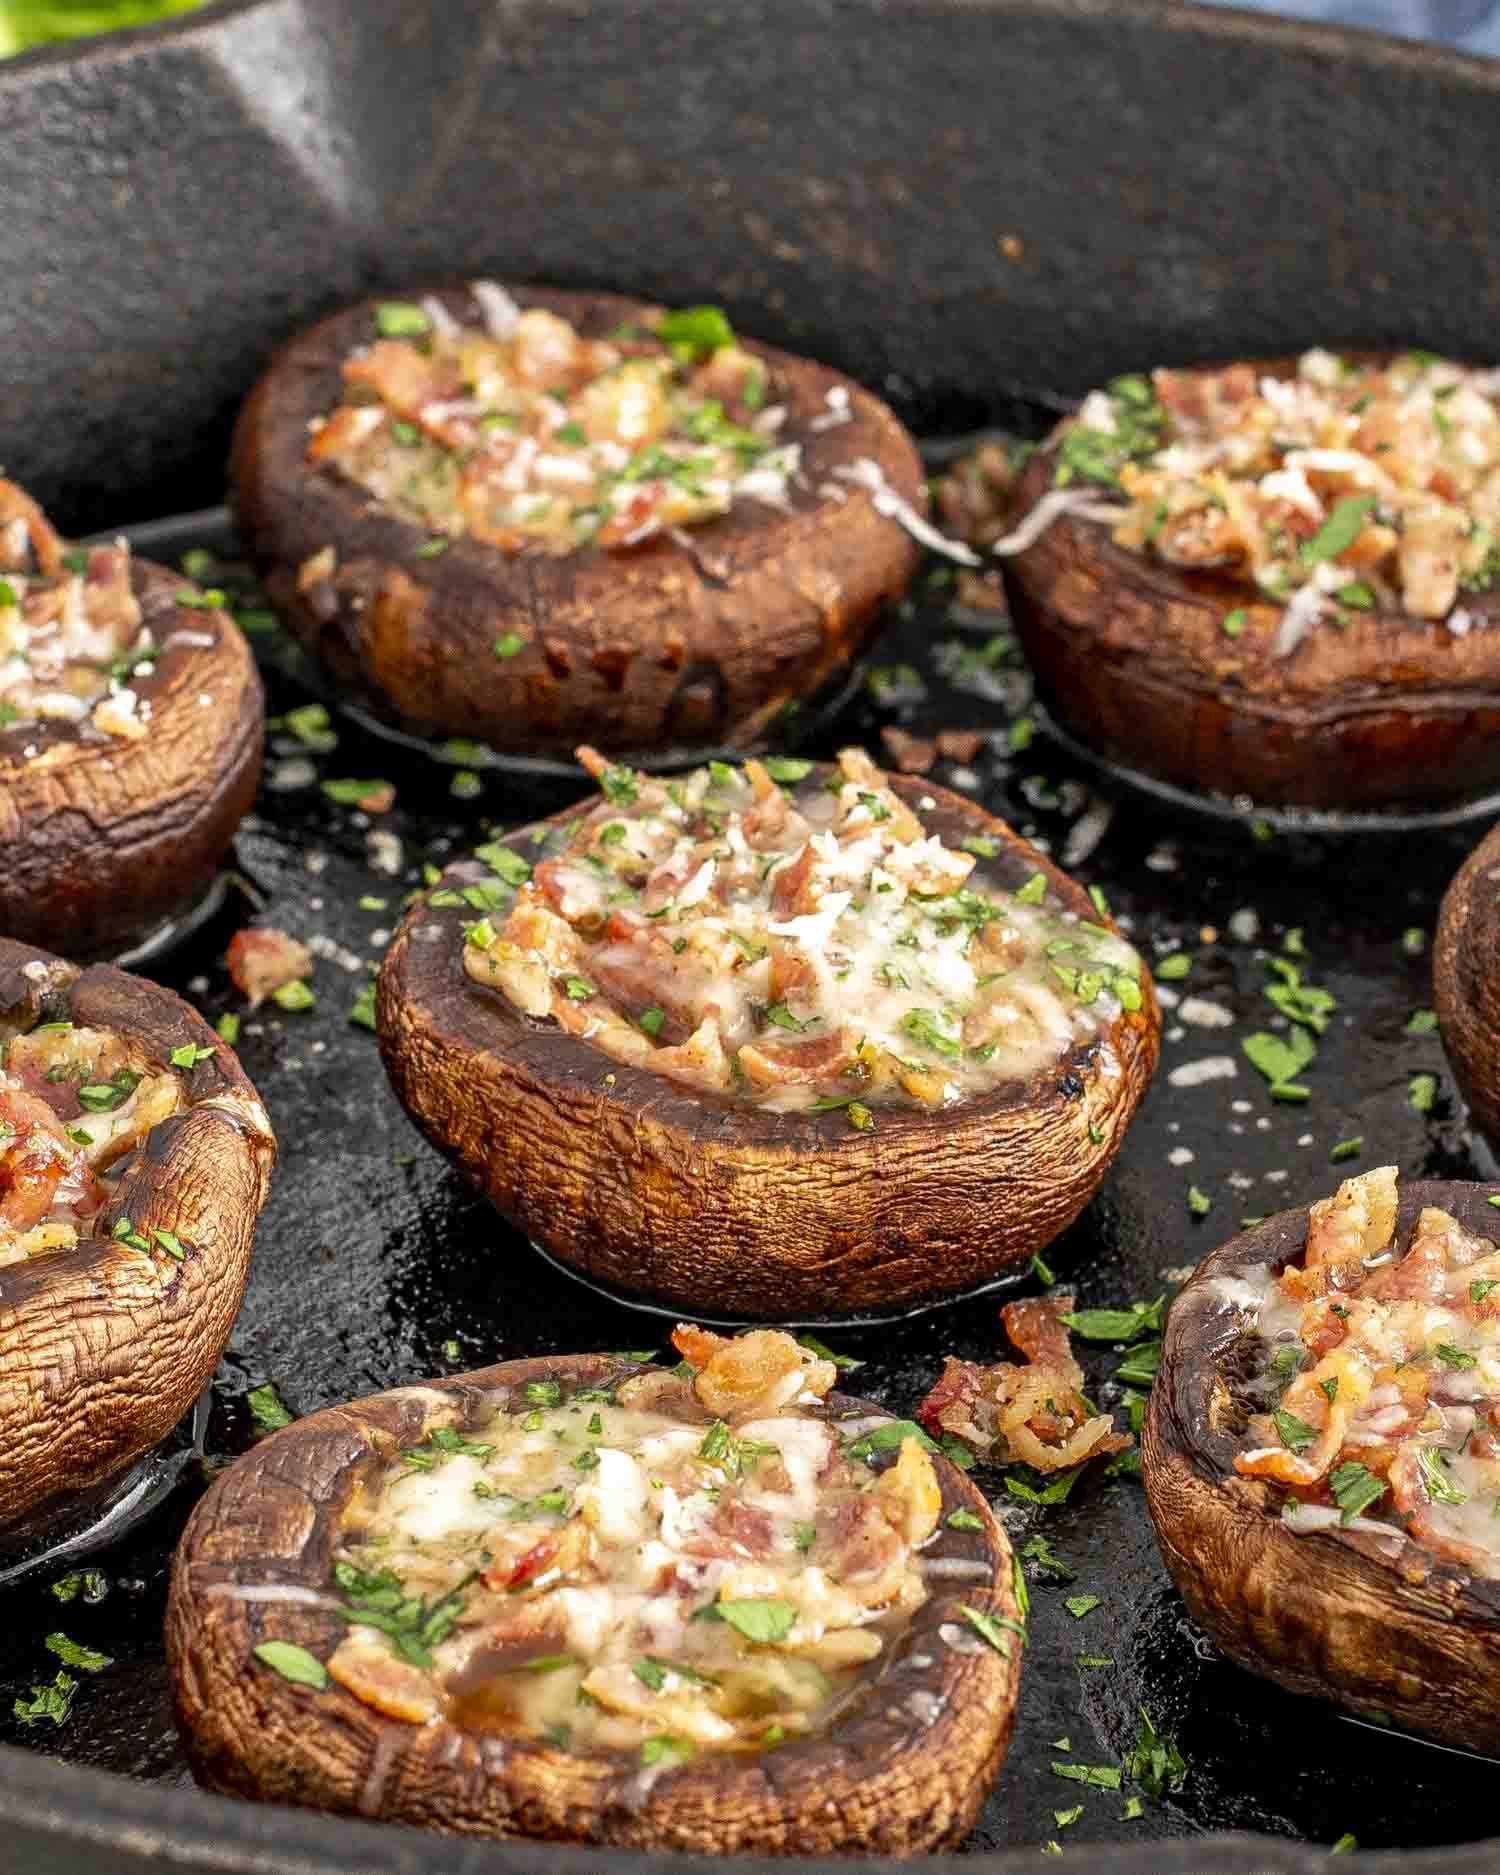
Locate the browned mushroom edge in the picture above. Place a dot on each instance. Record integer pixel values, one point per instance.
(103, 1347)
(1466, 981)
(705, 1202)
(904, 1770)
(1132, 656)
(1394, 1634)
(101, 839)
(666, 643)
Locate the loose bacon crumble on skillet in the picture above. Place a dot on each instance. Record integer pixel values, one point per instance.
(1033, 1414)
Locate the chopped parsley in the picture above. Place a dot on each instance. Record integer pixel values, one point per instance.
(763, 1619)
(1295, 1434)
(71, 1654)
(398, 319)
(293, 1663)
(190, 1054)
(53, 1701)
(267, 1408)
(1339, 532)
(991, 1628)
(1156, 1764)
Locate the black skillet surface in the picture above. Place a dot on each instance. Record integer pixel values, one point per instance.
(847, 180)
(375, 1265)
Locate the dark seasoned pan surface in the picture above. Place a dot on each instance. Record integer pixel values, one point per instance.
(376, 1265)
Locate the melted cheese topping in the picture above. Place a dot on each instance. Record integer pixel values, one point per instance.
(1382, 1377)
(1344, 487)
(72, 1103)
(71, 640)
(529, 436)
(798, 949)
(613, 1569)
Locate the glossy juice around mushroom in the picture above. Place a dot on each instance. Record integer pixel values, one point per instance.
(680, 1562)
(797, 946)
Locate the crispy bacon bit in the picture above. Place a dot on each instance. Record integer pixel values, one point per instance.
(913, 755)
(404, 378)
(1342, 1230)
(23, 526)
(263, 959)
(909, 1495)
(1033, 1414)
(797, 888)
(534, 1562)
(974, 497)
(960, 745)
(791, 1063)
(753, 1374)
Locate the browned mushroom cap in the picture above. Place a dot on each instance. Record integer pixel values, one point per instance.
(708, 1203)
(104, 1347)
(1466, 980)
(101, 839)
(903, 1769)
(696, 639)
(1378, 1624)
(1133, 656)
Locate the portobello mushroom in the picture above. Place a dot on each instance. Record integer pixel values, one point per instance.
(689, 1107)
(134, 1159)
(1466, 981)
(1298, 606)
(677, 565)
(130, 738)
(1352, 1554)
(527, 1683)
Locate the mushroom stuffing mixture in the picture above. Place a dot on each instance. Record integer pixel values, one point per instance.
(528, 436)
(72, 1103)
(71, 637)
(1384, 1371)
(1337, 490)
(679, 1561)
(803, 948)
(1345, 487)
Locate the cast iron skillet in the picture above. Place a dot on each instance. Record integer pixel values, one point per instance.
(947, 200)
